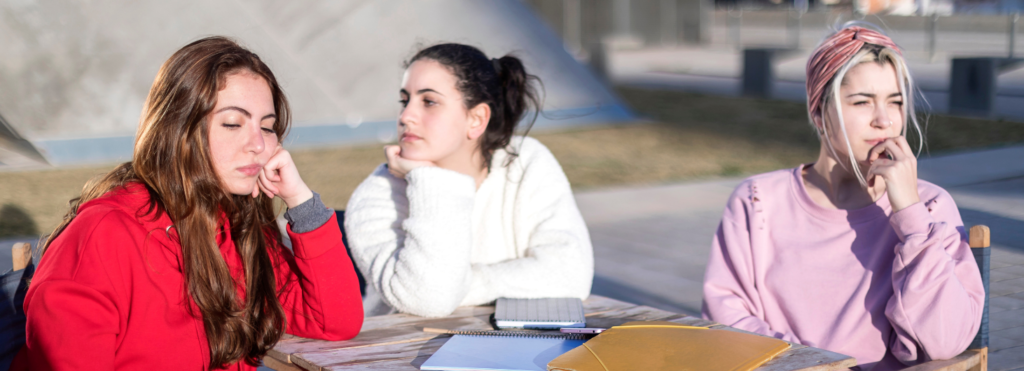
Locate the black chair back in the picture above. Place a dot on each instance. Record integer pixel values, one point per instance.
(980, 246)
(359, 275)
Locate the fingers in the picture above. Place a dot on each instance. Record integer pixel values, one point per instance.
(261, 186)
(876, 152)
(908, 153)
(888, 150)
(895, 153)
(882, 157)
(392, 153)
(886, 155)
(267, 185)
(900, 175)
(272, 170)
(898, 169)
(898, 147)
(266, 191)
(271, 180)
(874, 170)
(901, 141)
(400, 166)
(281, 167)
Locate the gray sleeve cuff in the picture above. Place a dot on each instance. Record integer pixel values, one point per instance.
(309, 215)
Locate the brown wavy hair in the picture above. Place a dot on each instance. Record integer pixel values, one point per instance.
(172, 159)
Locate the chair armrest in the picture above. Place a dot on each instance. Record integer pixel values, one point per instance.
(21, 254)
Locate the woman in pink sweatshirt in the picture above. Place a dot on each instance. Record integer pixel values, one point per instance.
(851, 253)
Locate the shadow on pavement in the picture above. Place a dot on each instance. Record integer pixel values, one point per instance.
(615, 290)
(15, 221)
(1006, 232)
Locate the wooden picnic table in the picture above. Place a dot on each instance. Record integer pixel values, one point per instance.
(397, 341)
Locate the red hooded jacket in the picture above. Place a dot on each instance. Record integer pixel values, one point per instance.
(109, 294)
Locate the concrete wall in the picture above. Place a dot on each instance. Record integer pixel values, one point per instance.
(74, 73)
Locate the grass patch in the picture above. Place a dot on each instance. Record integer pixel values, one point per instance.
(691, 136)
(35, 201)
(649, 153)
(784, 122)
(952, 134)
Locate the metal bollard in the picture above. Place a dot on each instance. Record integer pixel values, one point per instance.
(758, 72)
(793, 28)
(621, 21)
(801, 7)
(572, 25)
(598, 61)
(737, 21)
(933, 29)
(669, 22)
(1013, 32)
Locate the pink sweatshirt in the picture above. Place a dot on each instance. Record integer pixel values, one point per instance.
(857, 282)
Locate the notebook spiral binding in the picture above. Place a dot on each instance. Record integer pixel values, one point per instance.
(518, 334)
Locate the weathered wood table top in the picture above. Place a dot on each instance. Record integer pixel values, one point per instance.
(397, 341)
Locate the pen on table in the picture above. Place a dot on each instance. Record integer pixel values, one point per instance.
(582, 330)
(437, 330)
(564, 330)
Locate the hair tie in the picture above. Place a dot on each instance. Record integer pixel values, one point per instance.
(833, 53)
(497, 65)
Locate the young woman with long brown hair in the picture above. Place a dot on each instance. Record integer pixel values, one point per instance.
(174, 260)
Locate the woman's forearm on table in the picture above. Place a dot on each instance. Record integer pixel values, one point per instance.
(938, 296)
(419, 263)
(325, 303)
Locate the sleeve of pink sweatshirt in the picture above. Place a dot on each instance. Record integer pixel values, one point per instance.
(730, 293)
(938, 295)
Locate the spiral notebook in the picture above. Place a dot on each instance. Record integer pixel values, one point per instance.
(549, 313)
(498, 351)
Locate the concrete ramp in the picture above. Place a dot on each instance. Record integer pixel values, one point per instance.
(74, 74)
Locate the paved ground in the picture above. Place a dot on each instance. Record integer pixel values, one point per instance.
(651, 245)
(716, 68)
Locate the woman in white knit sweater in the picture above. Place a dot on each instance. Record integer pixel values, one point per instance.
(464, 213)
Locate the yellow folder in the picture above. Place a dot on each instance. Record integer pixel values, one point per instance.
(669, 346)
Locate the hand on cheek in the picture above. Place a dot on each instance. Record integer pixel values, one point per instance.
(280, 178)
(400, 166)
(893, 161)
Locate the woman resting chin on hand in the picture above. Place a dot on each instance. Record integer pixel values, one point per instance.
(173, 261)
(851, 253)
(464, 213)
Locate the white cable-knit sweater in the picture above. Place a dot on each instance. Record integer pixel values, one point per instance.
(432, 242)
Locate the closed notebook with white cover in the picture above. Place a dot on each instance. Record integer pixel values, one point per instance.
(549, 313)
(498, 353)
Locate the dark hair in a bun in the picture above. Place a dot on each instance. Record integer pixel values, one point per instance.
(502, 83)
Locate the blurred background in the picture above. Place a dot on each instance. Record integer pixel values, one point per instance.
(656, 109)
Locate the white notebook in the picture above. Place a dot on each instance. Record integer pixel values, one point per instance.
(550, 313)
(502, 352)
